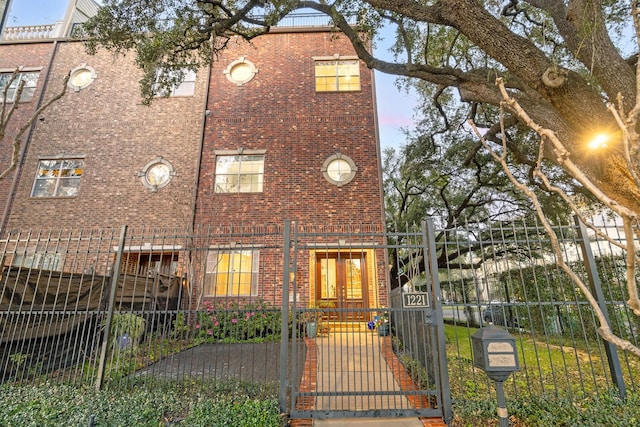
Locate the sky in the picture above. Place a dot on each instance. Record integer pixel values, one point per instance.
(395, 108)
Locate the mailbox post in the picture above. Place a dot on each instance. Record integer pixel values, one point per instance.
(494, 351)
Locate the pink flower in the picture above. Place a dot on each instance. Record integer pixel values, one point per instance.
(215, 323)
(234, 320)
(197, 325)
(209, 332)
(247, 315)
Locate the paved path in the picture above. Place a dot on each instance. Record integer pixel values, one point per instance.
(356, 367)
(351, 363)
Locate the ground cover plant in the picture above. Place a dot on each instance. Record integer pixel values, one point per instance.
(232, 404)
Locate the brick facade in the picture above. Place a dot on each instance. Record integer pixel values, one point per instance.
(280, 111)
(107, 125)
(12, 56)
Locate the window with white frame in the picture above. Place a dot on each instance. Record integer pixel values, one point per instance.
(42, 261)
(10, 82)
(185, 87)
(337, 75)
(240, 173)
(57, 178)
(232, 273)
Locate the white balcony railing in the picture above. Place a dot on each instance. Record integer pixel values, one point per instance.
(33, 32)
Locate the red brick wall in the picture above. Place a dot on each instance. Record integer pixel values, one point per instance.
(12, 56)
(117, 135)
(280, 111)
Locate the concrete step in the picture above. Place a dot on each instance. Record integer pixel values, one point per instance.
(338, 327)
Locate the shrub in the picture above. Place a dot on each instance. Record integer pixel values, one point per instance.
(126, 331)
(594, 411)
(230, 403)
(223, 413)
(237, 322)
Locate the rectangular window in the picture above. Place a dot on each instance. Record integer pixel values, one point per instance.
(30, 79)
(57, 178)
(239, 174)
(232, 273)
(337, 76)
(42, 261)
(186, 88)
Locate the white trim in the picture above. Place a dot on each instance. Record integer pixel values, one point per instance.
(239, 151)
(343, 245)
(336, 57)
(237, 246)
(20, 69)
(150, 248)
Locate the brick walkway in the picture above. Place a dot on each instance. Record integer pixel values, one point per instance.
(310, 379)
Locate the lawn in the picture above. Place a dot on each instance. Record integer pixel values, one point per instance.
(557, 385)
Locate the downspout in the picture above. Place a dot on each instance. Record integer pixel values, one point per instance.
(196, 183)
(378, 151)
(23, 151)
(387, 278)
(4, 17)
(194, 196)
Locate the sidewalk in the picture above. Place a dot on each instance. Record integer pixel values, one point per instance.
(356, 366)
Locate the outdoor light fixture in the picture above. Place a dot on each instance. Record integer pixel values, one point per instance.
(494, 351)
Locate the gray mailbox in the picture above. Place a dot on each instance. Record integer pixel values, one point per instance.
(494, 351)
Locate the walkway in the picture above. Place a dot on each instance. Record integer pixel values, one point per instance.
(363, 374)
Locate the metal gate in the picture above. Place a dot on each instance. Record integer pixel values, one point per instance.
(365, 303)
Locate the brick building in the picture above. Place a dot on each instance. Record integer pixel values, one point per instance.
(291, 134)
(280, 129)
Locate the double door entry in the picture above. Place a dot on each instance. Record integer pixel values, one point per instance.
(341, 283)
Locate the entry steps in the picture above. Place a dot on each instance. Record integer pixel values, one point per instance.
(330, 326)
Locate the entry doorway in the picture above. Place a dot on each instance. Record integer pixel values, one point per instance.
(341, 282)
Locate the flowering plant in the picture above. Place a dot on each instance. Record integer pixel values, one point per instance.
(233, 321)
(382, 318)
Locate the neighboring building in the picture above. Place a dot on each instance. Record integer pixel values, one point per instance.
(280, 129)
(33, 59)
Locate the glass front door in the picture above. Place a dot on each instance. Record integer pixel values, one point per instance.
(341, 282)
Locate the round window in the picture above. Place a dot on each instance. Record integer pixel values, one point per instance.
(81, 77)
(339, 169)
(240, 71)
(156, 174)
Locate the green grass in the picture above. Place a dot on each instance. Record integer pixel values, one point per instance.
(555, 383)
(546, 367)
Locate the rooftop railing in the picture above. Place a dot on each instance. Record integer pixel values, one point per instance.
(33, 32)
(51, 31)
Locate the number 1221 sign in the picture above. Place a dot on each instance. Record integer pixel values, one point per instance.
(415, 300)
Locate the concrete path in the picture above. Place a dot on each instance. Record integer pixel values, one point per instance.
(352, 363)
(369, 422)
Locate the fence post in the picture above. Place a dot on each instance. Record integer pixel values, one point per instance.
(596, 288)
(106, 332)
(284, 341)
(428, 235)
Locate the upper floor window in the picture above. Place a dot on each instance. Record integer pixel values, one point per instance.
(30, 80)
(185, 87)
(337, 75)
(58, 178)
(241, 173)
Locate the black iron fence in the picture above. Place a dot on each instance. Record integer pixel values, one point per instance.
(123, 306)
(507, 275)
